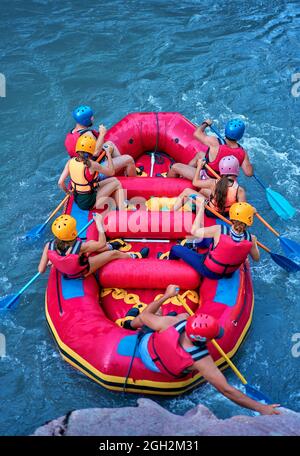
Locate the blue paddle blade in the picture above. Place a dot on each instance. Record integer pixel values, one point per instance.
(7, 302)
(257, 395)
(290, 248)
(280, 205)
(35, 232)
(285, 263)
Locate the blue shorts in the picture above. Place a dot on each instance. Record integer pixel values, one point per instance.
(144, 353)
(194, 259)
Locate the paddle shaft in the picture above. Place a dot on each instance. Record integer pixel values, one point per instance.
(230, 223)
(57, 209)
(217, 346)
(216, 175)
(23, 289)
(85, 227)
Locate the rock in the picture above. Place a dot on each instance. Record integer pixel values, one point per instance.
(150, 419)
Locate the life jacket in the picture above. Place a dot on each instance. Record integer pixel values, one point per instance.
(224, 151)
(72, 265)
(72, 137)
(229, 254)
(82, 180)
(231, 198)
(169, 356)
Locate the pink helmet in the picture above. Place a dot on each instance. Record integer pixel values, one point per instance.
(229, 165)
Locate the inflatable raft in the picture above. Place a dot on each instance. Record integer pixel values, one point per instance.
(86, 316)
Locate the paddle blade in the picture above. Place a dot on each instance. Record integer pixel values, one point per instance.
(7, 302)
(285, 263)
(257, 395)
(280, 205)
(290, 248)
(35, 232)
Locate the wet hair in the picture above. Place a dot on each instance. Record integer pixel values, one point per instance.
(63, 246)
(239, 227)
(230, 139)
(220, 194)
(84, 158)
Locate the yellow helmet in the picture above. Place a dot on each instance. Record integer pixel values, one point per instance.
(243, 212)
(64, 228)
(86, 143)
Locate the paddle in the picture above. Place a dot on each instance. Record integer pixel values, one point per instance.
(277, 202)
(250, 390)
(290, 248)
(36, 231)
(283, 262)
(7, 301)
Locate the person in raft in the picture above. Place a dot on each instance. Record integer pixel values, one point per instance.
(84, 118)
(218, 194)
(71, 256)
(177, 345)
(234, 131)
(229, 247)
(88, 191)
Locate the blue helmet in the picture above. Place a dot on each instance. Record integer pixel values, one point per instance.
(83, 115)
(234, 129)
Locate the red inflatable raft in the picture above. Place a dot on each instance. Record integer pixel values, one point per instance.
(86, 316)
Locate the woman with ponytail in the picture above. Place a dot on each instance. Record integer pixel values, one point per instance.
(219, 194)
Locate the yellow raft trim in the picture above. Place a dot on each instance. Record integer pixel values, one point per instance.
(184, 386)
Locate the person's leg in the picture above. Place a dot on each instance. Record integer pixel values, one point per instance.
(119, 196)
(179, 169)
(106, 189)
(192, 258)
(182, 198)
(103, 258)
(125, 162)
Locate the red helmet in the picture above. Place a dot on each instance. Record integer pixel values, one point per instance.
(202, 327)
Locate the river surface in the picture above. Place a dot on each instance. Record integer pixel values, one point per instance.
(204, 59)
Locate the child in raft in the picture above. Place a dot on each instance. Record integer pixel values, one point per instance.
(84, 118)
(177, 345)
(229, 248)
(71, 256)
(218, 194)
(89, 191)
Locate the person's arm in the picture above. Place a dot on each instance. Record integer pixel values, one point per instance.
(209, 232)
(202, 183)
(44, 260)
(198, 156)
(241, 196)
(63, 177)
(100, 140)
(95, 246)
(147, 316)
(207, 368)
(200, 134)
(108, 170)
(247, 166)
(254, 252)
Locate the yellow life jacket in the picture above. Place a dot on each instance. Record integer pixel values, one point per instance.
(78, 174)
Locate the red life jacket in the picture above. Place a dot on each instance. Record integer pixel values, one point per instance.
(69, 265)
(169, 356)
(72, 137)
(228, 255)
(224, 151)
